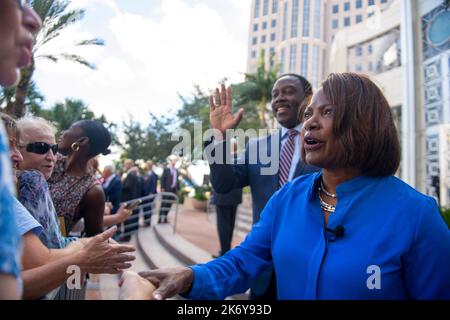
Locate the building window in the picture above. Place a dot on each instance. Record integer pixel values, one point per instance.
(370, 14)
(254, 40)
(335, 23)
(294, 22)
(317, 20)
(371, 2)
(263, 39)
(370, 48)
(275, 6)
(383, 1)
(335, 8)
(274, 23)
(315, 67)
(304, 65)
(285, 21)
(282, 60)
(257, 9)
(255, 27)
(358, 51)
(358, 4)
(253, 54)
(346, 22)
(358, 18)
(266, 8)
(292, 58)
(358, 67)
(264, 25)
(347, 6)
(306, 10)
(370, 66)
(272, 37)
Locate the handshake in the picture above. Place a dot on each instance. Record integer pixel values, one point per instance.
(156, 284)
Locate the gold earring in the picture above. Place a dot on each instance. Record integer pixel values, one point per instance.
(75, 147)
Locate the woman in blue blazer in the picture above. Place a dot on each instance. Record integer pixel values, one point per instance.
(351, 231)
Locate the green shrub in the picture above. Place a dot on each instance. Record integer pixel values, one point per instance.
(446, 215)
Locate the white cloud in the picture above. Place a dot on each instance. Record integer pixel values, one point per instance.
(147, 61)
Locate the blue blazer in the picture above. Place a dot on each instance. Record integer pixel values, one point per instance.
(225, 178)
(112, 193)
(395, 245)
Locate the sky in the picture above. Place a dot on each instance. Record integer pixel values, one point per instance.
(155, 50)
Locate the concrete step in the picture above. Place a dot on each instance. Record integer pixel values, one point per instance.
(154, 254)
(179, 247)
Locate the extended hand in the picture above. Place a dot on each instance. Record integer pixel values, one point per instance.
(169, 281)
(134, 287)
(99, 256)
(220, 114)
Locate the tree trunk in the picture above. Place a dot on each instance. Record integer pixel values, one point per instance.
(17, 108)
(262, 113)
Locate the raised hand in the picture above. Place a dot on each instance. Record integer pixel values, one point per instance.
(220, 115)
(169, 281)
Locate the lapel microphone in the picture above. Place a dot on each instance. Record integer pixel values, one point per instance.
(338, 232)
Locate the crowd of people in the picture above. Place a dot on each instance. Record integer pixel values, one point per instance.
(333, 222)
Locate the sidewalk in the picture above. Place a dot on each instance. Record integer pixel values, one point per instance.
(200, 228)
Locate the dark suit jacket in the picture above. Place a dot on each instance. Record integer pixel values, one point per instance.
(232, 198)
(112, 193)
(225, 177)
(131, 187)
(166, 180)
(150, 182)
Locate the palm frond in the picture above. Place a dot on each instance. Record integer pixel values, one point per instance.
(91, 42)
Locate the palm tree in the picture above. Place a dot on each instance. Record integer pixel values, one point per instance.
(258, 86)
(55, 18)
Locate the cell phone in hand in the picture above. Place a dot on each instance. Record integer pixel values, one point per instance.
(133, 205)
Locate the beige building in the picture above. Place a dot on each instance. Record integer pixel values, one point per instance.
(403, 44)
(300, 32)
(410, 60)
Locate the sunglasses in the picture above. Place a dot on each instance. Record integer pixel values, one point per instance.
(41, 147)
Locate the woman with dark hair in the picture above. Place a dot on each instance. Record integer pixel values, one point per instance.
(75, 190)
(351, 231)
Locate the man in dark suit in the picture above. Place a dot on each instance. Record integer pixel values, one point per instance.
(131, 189)
(150, 181)
(169, 183)
(226, 207)
(112, 187)
(290, 95)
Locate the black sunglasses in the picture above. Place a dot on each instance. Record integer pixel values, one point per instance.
(41, 147)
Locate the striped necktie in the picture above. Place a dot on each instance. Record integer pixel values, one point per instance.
(287, 152)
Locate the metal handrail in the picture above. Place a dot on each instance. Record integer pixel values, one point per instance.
(149, 202)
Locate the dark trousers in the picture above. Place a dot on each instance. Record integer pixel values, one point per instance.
(165, 206)
(226, 217)
(147, 207)
(132, 223)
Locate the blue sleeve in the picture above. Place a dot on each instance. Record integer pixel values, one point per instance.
(427, 265)
(9, 236)
(25, 221)
(235, 271)
(226, 177)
